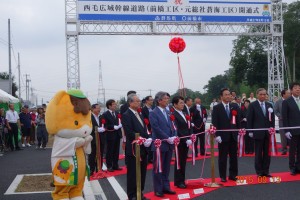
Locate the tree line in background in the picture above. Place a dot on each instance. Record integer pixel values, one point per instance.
(249, 60)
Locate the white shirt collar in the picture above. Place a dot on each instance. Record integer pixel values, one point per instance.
(134, 112)
(296, 98)
(224, 104)
(161, 109)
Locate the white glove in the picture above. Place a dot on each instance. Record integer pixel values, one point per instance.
(148, 142)
(120, 126)
(116, 127)
(192, 124)
(101, 129)
(245, 119)
(204, 120)
(218, 139)
(189, 143)
(288, 135)
(251, 135)
(170, 140)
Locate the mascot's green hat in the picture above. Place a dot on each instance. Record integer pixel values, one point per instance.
(64, 164)
(76, 93)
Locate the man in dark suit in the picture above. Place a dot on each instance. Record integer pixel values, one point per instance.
(162, 129)
(125, 106)
(278, 112)
(95, 117)
(182, 130)
(226, 115)
(188, 102)
(199, 117)
(249, 142)
(113, 136)
(133, 123)
(258, 117)
(145, 112)
(290, 116)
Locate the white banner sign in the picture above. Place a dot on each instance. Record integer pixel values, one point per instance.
(258, 11)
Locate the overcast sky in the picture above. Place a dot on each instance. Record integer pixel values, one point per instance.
(128, 62)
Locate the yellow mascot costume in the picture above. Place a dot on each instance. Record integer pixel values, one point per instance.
(68, 117)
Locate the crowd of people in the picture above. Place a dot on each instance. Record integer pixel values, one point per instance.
(164, 119)
(28, 126)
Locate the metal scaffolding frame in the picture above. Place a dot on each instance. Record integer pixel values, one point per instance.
(273, 30)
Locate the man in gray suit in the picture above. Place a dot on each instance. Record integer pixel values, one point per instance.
(278, 112)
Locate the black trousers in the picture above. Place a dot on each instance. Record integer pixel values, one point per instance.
(262, 157)
(294, 153)
(112, 152)
(131, 175)
(225, 149)
(249, 143)
(179, 174)
(201, 139)
(13, 135)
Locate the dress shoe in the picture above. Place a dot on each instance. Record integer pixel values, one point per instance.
(283, 153)
(223, 180)
(159, 194)
(169, 192)
(232, 178)
(293, 172)
(145, 198)
(259, 174)
(118, 168)
(181, 185)
(110, 169)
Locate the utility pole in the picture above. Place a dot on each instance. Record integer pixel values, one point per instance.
(19, 69)
(27, 87)
(9, 59)
(150, 90)
(101, 90)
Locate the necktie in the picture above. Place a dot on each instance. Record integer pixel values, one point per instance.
(263, 108)
(227, 111)
(113, 114)
(139, 118)
(165, 114)
(298, 102)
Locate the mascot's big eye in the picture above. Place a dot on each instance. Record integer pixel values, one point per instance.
(76, 123)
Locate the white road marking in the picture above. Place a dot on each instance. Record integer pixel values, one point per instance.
(116, 186)
(97, 189)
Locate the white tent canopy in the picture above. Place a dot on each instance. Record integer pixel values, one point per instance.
(7, 98)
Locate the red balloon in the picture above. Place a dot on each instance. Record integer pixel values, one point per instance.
(177, 45)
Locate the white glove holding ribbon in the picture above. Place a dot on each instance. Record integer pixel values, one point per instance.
(116, 127)
(120, 126)
(218, 139)
(170, 140)
(204, 120)
(245, 119)
(288, 135)
(192, 124)
(251, 135)
(148, 142)
(189, 143)
(101, 129)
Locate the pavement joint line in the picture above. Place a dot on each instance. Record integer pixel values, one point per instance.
(97, 189)
(88, 191)
(116, 186)
(13, 186)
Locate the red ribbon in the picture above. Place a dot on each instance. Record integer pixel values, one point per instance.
(157, 144)
(103, 122)
(139, 141)
(176, 143)
(242, 133)
(193, 138)
(188, 119)
(272, 143)
(234, 114)
(147, 123)
(119, 118)
(172, 118)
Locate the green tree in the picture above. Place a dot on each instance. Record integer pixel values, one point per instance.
(249, 61)
(215, 84)
(5, 76)
(291, 37)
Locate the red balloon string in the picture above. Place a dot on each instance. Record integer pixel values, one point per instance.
(181, 83)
